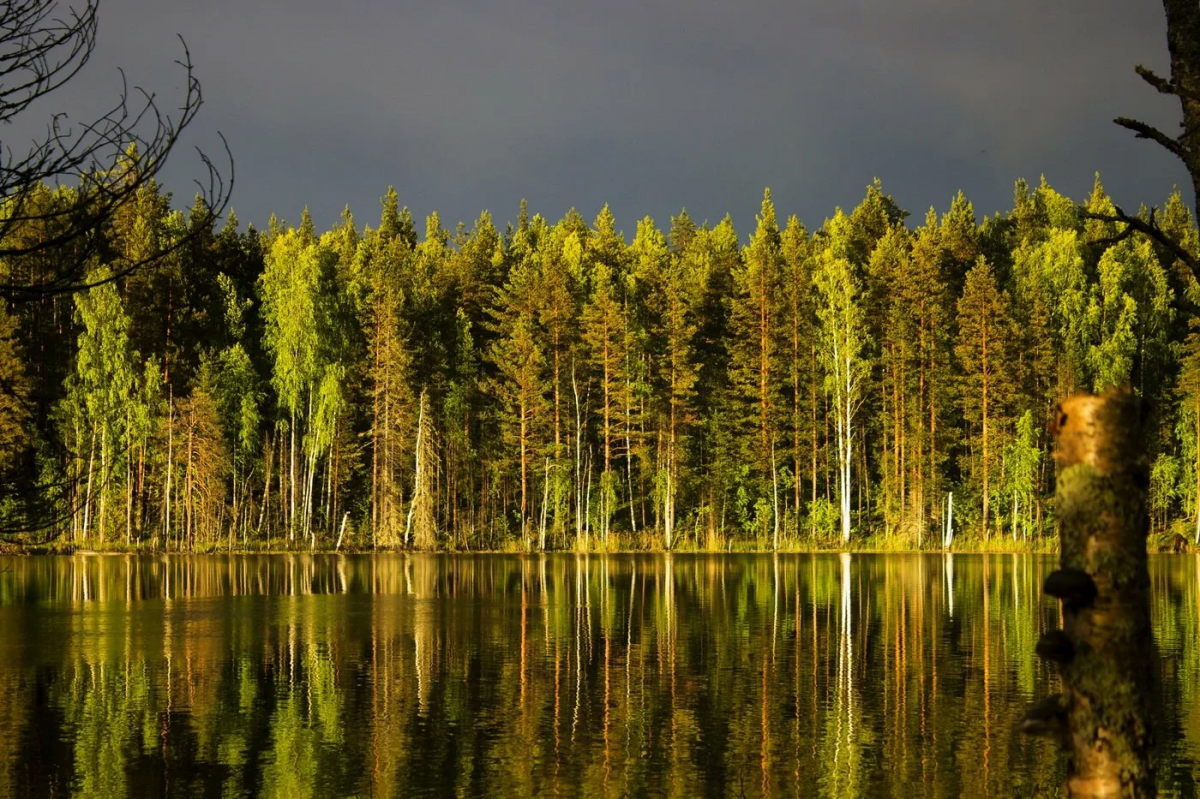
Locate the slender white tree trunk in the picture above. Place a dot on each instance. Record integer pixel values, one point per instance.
(87, 497)
(844, 408)
(587, 507)
(341, 533)
(668, 507)
(775, 498)
(545, 503)
(948, 538)
(412, 505)
(292, 481)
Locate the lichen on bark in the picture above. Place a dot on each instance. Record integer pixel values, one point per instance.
(1103, 524)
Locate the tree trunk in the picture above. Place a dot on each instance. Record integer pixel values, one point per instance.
(557, 398)
(1198, 478)
(764, 367)
(1101, 503)
(292, 481)
(629, 448)
(983, 324)
(375, 441)
(524, 474)
(812, 402)
(797, 482)
(1183, 43)
(128, 485)
(170, 468)
(579, 517)
(87, 497)
(104, 475)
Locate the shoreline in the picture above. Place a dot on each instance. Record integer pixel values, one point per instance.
(146, 551)
(1160, 542)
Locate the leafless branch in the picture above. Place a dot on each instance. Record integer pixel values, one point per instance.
(1163, 85)
(91, 170)
(1148, 227)
(1145, 131)
(61, 194)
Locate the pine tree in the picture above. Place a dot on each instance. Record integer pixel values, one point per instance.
(984, 336)
(801, 356)
(389, 378)
(715, 451)
(560, 264)
(569, 378)
(895, 329)
(520, 384)
(203, 462)
(925, 294)
(603, 334)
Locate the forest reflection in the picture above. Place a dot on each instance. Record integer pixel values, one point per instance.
(687, 675)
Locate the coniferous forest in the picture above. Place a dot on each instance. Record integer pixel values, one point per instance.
(875, 379)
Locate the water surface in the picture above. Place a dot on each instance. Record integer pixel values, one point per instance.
(561, 675)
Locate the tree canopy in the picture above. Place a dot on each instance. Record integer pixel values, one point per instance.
(561, 384)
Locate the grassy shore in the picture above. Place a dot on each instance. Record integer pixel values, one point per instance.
(1162, 541)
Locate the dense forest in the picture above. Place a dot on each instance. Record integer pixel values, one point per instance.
(560, 385)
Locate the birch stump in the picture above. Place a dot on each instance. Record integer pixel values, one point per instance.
(1105, 650)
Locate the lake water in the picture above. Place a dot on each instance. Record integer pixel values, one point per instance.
(562, 675)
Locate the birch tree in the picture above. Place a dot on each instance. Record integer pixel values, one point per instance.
(842, 336)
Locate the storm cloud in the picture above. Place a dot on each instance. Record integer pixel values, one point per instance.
(650, 106)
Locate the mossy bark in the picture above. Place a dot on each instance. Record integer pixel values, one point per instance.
(1101, 506)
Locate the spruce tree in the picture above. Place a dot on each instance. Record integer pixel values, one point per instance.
(755, 373)
(671, 298)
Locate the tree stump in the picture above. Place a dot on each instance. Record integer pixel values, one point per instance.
(1105, 650)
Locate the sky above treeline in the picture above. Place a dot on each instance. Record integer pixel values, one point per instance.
(649, 105)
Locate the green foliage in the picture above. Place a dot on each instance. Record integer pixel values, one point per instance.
(824, 517)
(1022, 458)
(1164, 487)
(14, 395)
(843, 338)
(682, 387)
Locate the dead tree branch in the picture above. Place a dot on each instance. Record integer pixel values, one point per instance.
(1148, 227)
(89, 167)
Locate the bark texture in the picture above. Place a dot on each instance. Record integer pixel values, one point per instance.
(1102, 512)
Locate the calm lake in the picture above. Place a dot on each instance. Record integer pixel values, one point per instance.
(558, 675)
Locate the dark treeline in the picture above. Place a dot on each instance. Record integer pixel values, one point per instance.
(556, 384)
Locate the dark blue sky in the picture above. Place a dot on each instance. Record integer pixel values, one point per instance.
(650, 106)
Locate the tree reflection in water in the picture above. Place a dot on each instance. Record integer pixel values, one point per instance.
(688, 675)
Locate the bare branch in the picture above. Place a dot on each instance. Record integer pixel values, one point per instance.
(1163, 85)
(93, 173)
(1145, 131)
(60, 197)
(1134, 224)
(1160, 83)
